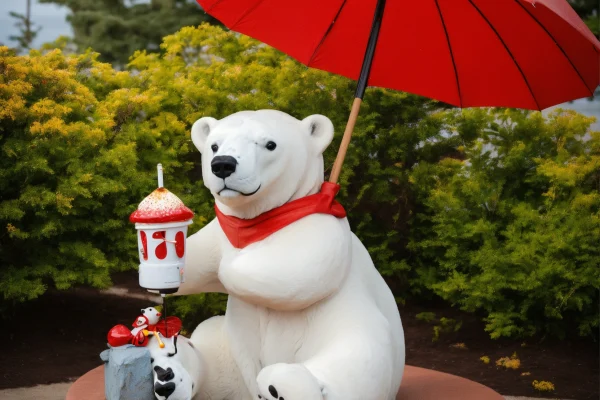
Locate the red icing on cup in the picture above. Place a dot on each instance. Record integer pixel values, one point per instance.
(161, 206)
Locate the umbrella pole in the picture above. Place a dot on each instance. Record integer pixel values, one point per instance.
(339, 159)
(360, 91)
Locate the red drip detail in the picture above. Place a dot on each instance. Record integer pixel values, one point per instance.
(180, 244)
(161, 249)
(144, 245)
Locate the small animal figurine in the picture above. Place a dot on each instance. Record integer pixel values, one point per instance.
(152, 315)
(148, 320)
(145, 325)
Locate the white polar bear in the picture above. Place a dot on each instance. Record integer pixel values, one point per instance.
(308, 315)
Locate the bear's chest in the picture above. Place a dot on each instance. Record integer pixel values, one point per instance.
(266, 335)
(283, 334)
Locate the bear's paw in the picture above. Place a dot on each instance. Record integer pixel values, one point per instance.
(288, 382)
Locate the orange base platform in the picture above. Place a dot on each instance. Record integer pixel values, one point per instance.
(417, 384)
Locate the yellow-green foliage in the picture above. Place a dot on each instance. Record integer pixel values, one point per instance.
(496, 211)
(426, 316)
(79, 144)
(511, 225)
(485, 359)
(446, 325)
(543, 386)
(511, 362)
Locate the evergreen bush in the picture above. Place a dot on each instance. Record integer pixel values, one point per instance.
(495, 211)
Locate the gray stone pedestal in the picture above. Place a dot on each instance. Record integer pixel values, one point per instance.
(127, 373)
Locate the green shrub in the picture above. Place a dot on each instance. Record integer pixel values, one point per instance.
(446, 325)
(426, 316)
(514, 231)
(495, 211)
(79, 143)
(64, 165)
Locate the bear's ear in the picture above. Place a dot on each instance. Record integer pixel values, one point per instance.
(320, 129)
(200, 131)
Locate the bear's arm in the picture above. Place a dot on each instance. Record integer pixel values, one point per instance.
(294, 268)
(202, 261)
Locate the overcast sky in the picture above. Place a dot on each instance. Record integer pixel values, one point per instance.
(52, 20)
(49, 16)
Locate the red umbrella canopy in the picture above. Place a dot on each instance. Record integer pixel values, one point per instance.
(528, 54)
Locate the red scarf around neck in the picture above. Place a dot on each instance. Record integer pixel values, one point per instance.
(243, 232)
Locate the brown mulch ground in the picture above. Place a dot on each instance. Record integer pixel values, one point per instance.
(59, 337)
(572, 366)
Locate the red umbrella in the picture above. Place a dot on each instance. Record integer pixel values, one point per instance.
(528, 54)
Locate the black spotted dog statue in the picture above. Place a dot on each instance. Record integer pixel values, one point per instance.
(177, 368)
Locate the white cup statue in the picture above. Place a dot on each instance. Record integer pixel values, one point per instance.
(162, 221)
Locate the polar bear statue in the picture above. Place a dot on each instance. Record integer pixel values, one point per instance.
(308, 315)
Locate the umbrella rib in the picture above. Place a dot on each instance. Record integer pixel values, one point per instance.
(557, 45)
(213, 6)
(451, 53)
(508, 51)
(310, 60)
(248, 11)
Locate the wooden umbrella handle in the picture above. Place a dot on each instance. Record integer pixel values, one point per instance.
(339, 159)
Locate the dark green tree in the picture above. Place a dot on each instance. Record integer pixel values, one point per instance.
(27, 31)
(117, 28)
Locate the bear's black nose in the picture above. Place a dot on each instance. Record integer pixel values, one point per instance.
(223, 166)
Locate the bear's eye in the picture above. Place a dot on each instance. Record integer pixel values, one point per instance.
(214, 147)
(271, 146)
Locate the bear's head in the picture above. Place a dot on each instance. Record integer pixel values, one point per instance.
(254, 161)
